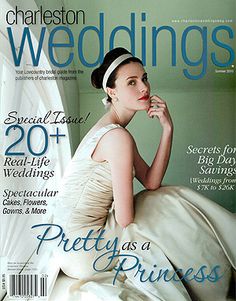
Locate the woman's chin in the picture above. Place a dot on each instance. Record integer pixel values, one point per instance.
(144, 105)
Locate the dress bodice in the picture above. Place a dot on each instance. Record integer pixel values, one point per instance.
(86, 189)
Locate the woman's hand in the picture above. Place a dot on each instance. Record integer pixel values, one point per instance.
(159, 109)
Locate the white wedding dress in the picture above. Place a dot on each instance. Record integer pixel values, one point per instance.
(175, 230)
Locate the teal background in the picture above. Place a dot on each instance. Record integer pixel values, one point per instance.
(203, 110)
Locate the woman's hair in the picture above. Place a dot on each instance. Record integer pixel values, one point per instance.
(98, 74)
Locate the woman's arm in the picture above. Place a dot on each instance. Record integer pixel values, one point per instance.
(118, 150)
(151, 177)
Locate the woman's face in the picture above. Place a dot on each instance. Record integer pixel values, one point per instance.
(132, 87)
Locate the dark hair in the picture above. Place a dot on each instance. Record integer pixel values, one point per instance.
(98, 74)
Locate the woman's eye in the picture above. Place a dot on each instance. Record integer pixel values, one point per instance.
(145, 79)
(131, 83)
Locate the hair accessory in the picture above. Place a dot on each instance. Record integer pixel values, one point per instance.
(109, 71)
(104, 101)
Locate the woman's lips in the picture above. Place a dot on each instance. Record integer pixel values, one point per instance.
(145, 97)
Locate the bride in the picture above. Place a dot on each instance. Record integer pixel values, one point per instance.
(171, 242)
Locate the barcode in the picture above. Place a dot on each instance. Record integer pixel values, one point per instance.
(27, 285)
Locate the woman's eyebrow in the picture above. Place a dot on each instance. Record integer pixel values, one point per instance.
(135, 76)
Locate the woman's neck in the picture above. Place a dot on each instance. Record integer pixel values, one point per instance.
(118, 116)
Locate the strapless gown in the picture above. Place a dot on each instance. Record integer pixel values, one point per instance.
(181, 246)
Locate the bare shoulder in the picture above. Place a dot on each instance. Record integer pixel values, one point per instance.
(114, 143)
(118, 136)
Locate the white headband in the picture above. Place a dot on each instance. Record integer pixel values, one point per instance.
(110, 69)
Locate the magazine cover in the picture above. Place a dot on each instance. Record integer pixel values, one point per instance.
(118, 150)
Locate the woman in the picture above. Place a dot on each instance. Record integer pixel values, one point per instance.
(172, 242)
